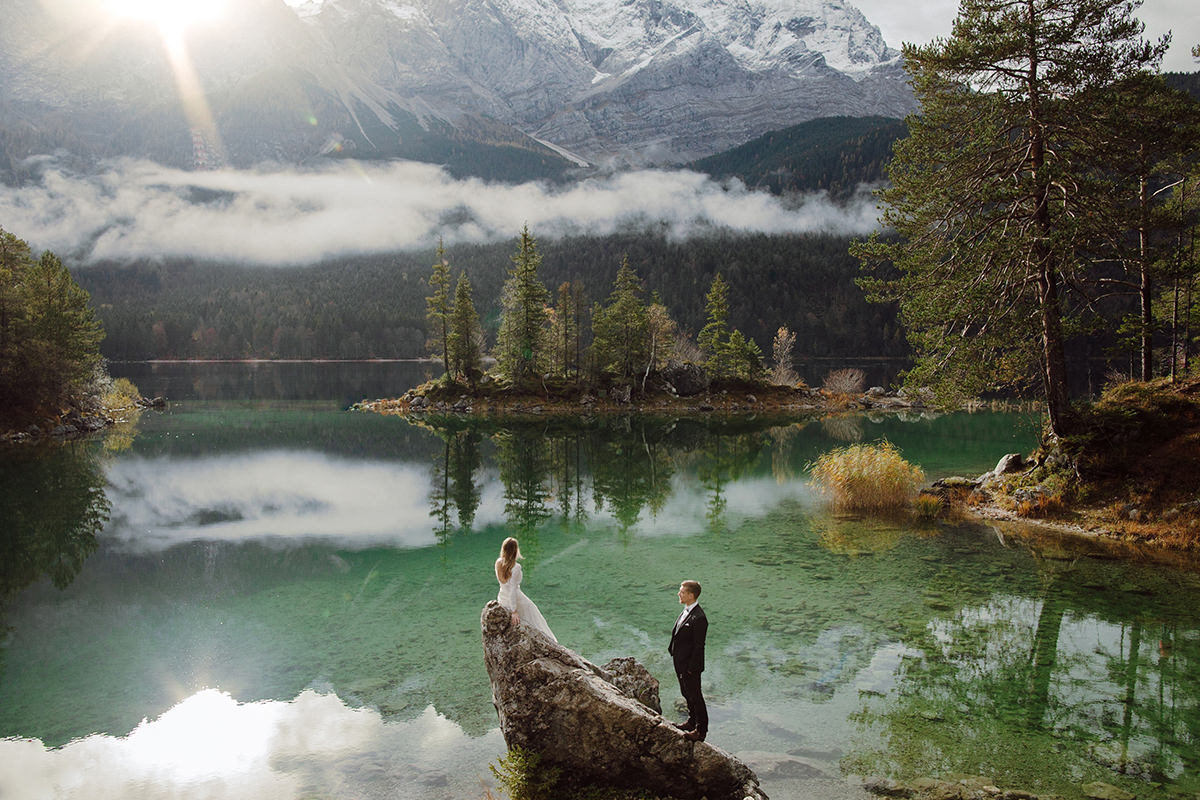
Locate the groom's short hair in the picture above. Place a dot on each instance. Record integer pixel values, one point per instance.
(693, 587)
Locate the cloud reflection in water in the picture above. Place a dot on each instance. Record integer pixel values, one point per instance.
(209, 745)
(287, 496)
(281, 495)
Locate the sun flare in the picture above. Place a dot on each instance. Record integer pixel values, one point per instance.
(174, 15)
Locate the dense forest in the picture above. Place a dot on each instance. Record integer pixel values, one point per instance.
(832, 154)
(374, 307)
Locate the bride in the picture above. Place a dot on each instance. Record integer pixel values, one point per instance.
(508, 572)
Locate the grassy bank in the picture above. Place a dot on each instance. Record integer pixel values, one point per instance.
(1130, 469)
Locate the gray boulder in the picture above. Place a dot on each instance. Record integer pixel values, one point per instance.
(634, 681)
(572, 713)
(688, 380)
(1011, 462)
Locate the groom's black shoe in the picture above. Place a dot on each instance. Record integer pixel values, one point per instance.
(685, 726)
(694, 736)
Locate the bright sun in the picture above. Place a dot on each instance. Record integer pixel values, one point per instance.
(173, 15)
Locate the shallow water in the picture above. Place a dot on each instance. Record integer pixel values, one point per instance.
(270, 596)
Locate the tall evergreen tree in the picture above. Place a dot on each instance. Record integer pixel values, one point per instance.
(49, 334)
(1147, 133)
(988, 192)
(713, 339)
(1179, 299)
(464, 344)
(437, 308)
(521, 342)
(621, 329)
(15, 259)
(567, 330)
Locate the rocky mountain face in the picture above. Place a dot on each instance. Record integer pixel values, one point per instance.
(536, 82)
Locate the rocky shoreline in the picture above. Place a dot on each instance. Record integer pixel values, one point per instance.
(434, 398)
(76, 424)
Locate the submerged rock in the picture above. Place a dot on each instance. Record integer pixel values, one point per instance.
(572, 713)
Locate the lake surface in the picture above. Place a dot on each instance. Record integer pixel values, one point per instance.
(259, 594)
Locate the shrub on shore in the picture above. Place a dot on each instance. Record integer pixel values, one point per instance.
(867, 477)
(120, 395)
(845, 381)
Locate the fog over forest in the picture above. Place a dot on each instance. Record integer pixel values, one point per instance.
(138, 209)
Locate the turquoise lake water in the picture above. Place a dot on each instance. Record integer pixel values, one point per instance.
(259, 594)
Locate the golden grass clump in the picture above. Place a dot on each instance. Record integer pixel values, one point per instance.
(867, 477)
(928, 506)
(1041, 506)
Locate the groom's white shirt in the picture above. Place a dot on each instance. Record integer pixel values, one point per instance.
(683, 615)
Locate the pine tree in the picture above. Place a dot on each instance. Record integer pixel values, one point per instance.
(713, 339)
(988, 191)
(621, 329)
(567, 330)
(464, 345)
(521, 342)
(1145, 137)
(49, 334)
(437, 307)
(15, 260)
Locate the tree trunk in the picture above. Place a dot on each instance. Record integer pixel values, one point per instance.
(1054, 361)
(1146, 289)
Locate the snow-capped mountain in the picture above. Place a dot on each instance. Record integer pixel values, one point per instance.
(624, 81)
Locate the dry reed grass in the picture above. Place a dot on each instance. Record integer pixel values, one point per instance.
(1041, 507)
(867, 477)
(845, 381)
(928, 506)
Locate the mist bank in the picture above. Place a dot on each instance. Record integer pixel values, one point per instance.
(136, 209)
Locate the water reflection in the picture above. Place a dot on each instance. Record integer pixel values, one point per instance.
(54, 504)
(1083, 676)
(210, 745)
(161, 502)
(643, 476)
(326, 568)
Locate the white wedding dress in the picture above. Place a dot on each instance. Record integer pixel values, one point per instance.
(512, 598)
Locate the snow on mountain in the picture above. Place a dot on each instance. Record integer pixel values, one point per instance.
(622, 81)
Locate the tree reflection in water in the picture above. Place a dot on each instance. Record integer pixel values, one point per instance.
(566, 471)
(980, 686)
(54, 505)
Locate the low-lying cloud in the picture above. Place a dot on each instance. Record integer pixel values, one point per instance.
(139, 209)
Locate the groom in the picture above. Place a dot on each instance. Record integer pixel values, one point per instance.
(687, 650)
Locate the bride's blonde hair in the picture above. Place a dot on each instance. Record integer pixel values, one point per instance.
(510, 551)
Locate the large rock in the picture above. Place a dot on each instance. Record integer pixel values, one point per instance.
(571, 712)
(688, 380)
(633, 680)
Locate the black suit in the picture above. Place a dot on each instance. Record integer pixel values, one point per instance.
(687, 651)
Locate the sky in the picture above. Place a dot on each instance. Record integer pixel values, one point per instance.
(902, 22)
